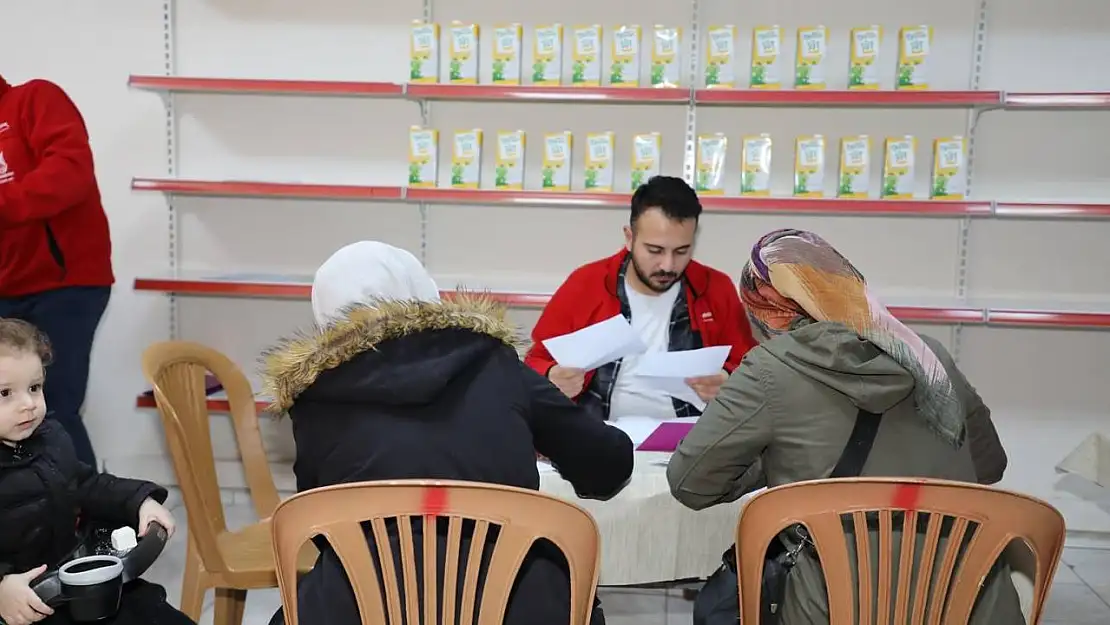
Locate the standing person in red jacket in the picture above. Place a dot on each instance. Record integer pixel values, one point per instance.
(673, 302)
(55, 249)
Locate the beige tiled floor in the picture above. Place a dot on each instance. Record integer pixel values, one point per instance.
(1080, 593)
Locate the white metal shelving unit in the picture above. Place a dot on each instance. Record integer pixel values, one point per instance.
(962, 309)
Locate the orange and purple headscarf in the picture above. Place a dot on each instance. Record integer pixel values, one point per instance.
(794, 275)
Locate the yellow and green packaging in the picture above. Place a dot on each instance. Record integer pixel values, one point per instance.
(810, 58)
(766, 70)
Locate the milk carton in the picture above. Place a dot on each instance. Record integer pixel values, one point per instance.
(624, 68)
(463, 69)
(646, 158)
(720, 57)
(949, 169)
(508, 173)
(557, 161)
(547, 55)
(755, 164)
(766, 70)
(666, 70)
(863, 55)
(586, 54)
(599, 161)
(854, 179)
(809, 166)
(424, 53)
(466, 159)
(506, 54)
(423, 157)
(913, 57)
(810, 58)
(898, 168)
(709, 164)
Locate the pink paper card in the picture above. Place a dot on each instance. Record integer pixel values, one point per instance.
(666, 437)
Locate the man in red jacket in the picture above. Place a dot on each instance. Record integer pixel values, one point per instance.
(55, 249)
(673, 302)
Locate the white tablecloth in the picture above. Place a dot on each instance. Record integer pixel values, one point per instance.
(646, 536)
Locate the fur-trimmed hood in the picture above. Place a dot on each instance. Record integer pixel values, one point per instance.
(400, 372)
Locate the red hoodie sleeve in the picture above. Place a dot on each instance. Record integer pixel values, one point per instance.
(556, 319)
(735, 329)
(63, 175)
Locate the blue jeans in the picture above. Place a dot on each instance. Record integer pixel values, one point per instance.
(69, 317)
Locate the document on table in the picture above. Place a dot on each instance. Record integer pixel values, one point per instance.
(639, 429)
(669, 370)
(595, 345)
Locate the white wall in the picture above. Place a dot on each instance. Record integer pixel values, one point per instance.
(1042, 384)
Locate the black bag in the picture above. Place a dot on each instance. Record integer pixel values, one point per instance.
(718, 602)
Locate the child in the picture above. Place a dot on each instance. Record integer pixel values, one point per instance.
(45, 491)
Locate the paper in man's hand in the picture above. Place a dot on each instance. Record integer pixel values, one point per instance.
(595, 345)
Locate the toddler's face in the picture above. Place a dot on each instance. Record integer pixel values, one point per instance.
(22, 405)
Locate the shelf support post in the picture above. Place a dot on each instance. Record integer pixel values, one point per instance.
(978, 52)
(691, 144)
(169, 57)
(425, 121)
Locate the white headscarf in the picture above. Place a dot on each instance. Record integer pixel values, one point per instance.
(366, 271)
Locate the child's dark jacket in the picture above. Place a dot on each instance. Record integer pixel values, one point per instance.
(45, 490)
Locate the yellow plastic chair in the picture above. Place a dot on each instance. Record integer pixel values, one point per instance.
(952, 514)
(522, 516)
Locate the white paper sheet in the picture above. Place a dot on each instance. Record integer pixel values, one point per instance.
(691, 363)
(595, 345)
(678, 388)
(668, 371)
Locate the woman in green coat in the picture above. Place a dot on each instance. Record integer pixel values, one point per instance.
(830, 350)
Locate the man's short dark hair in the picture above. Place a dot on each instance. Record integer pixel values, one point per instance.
(672, 195)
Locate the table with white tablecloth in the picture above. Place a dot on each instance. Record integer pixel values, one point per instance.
(647, 537)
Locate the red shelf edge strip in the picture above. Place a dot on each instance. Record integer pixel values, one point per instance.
(1054, 210)
(243, 188)
(263, 86)
(842, 206)
(847, 98)
(642, 94)
(533, 93)
(912, 314)
(712, 203)
(1048, 319)
(516, 300)
(723, 204)
(1060, 100)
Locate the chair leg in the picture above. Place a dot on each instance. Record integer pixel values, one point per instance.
(192, 584)
(230, 604)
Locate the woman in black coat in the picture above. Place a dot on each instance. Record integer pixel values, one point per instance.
(396, 384)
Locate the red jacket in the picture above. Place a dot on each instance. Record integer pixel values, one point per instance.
(53, 230)
(589, 295)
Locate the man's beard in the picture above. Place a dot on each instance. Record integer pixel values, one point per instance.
(647, 281)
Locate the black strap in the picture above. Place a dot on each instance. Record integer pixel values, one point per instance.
(859, 445)
(850, 464)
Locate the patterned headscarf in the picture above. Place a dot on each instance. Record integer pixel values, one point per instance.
(794, 275)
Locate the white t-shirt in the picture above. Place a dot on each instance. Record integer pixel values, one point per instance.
(651, 319)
